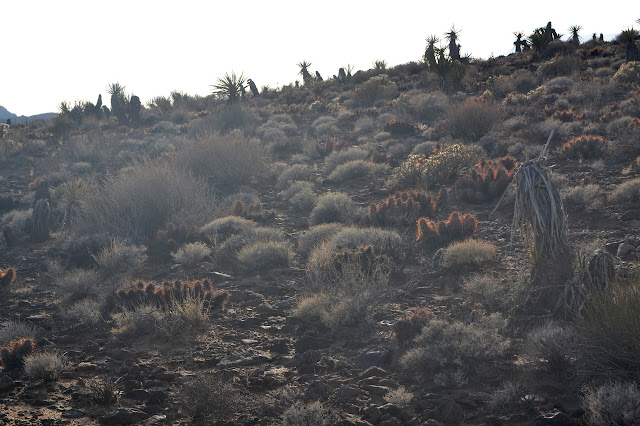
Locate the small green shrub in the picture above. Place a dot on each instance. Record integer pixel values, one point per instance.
(627, 192)
(310, 414)
(459, 254)
(79, 284)
(45, 366)
(208, 398)
(316, 235)
(336, 158)
(553, 348)
(293, 173)
(335, 207)
(356, 169)
(473, 119)
(614, 403)
(191, 254)
(377, 88)
(120, 257)
(264, 255)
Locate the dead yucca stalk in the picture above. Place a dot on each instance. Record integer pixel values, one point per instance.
(539, 216)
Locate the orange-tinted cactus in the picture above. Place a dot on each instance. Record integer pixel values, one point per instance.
(6, 277)
(458, 226)
(487, 180)
(402, 208)
(585, 146)
(13, 355)
(168, 291)
(400, 128)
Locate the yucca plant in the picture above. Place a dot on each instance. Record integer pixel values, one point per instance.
(575, 38)
(539, 41)
(304, 72)
(380, 64)
(628, 38)
(518, 43)
(454, 48)
(232, 86)
(430, 52)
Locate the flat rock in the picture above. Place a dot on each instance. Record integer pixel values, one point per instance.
(242, 362)
(346, 392)
(6, 383)
(72, 413)
(373, 372)
(86, 367)
(375, 357)
(571, 406)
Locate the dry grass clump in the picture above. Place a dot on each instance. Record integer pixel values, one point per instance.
(468, 252)
(265, 255)
(558, 85)
(45, 366)
(79, 284)
(85, 313)
(627, 192)
(494, 293)
(313, 413)
(316, 235)
(436, 170)
(399, 396)
(177, 321)
(613, 403)
(335, 207)
(13, 330)
(583, 197)
(450, 352)
(225, 161)
(336, 158)
(143, 198)
(560, 65)
(208, 398)
(346, 287)
(295, 172)
(119, 257)
(191, 254)
(510, 398)
(473, 119)
(356, 169)
(378, 88)
(553, 348)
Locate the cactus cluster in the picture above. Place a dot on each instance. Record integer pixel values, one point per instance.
(400, 128)
(564, 116)
(168, 240)
(487, 180)
(585, 146)
(167, 292)
(6, 277)
(403, 208)
(430, 172)
(457, 227)
(13, 355)
(252, 211)
(366, 257)
(330, 145)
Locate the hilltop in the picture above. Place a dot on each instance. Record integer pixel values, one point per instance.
(7, 115)
(446, 241)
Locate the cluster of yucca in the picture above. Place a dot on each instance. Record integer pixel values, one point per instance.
(457, 227)
(12, 356)
(400, 128)
(168, 240)
(404, 208)
(487, 180)
(430, 172)
(168, 292)
(252, 211)
(585, 146)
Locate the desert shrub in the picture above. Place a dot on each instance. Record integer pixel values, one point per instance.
(316, 235)
(356, 169)
(449, 352)
(225, 227)
(626, 192)
(265, 255)
(582, 197)
(613, 403)
(510, 398)
(120, 257)
(79, 284)
(337, 158)
(167, 293)
(399, 396)
(403, 208)
(377, 88)
(560, 65)
(426, 148)
(87, 313)
(310, 414)
(427, 107)
(45, 366)
(13, 355)
(295, 172)
(174, 322)
(225, 161)
(13, 330)
(253, 211)
(472, 119)
(346, 287)
(552, 348)
(496, 294)
(191, 254)
(461, 253)
(365, 125)
(235, 116)
(585, 146)
(430, 172)
(103, 391)
(278, 126)
(209, 398)
(141, 199)
(457, 227)
(487, 180)
(400, 128)
(295, 188)
(169, 240)
(628, 73)
(325, 127)
(558, 85)
(335, 207)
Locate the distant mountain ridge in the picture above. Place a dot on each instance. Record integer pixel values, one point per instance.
(5, 114)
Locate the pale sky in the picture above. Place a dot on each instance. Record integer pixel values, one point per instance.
(69, 50)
